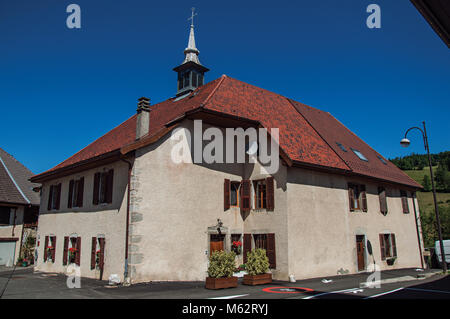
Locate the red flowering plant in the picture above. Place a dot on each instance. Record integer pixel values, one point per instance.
(49, 253)
(97, 258)
(236, 247)
(72, 254)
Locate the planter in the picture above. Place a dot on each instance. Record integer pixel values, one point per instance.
(390, 261)
(257, 279)
(221, 283)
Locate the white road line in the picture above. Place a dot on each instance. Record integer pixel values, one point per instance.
(332, 292)
(384, 293)
(229, 297)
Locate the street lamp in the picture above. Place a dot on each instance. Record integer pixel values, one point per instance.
(405, 143)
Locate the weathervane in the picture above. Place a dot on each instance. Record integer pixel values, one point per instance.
(192, 16)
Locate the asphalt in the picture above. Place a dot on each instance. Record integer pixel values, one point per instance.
(403, 284)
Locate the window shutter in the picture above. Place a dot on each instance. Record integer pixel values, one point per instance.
(54, 248)
(78, 255)
(58, 196)
(226, 194)
(270, 189)
(271, 251)
(45, 248)
(102, 253)
(247, 245)
(80, 192)
(383, 200)
(93, 251)
(245, 196)
(394, 246)
(50, 198)
(363, 198)
(382, 246)
(66, 248)
(96, 188)
(351, 197)
(69, 201)
(109, 186)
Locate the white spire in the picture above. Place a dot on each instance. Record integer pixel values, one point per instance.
(191, 51)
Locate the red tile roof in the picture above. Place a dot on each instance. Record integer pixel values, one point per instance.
(307, 135)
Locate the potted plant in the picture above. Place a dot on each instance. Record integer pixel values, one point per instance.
(257, 267)
(220, 271)
(72, 255)
(49, 253)
(391, 261)
(236, 247)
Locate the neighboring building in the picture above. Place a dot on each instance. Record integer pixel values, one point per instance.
(19, 207)
(122, 206)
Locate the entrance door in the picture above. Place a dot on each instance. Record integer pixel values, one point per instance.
(361, 252)
(7, 252)
(216, 243)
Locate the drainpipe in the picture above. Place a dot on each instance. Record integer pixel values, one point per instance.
(126, 279)
(417, 229)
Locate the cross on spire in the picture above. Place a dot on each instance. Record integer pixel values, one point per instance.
(192, 16)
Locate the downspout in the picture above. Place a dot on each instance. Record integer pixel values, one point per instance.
(126, 278)
(417, 229)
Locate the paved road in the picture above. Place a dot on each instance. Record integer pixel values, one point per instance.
(26, 284)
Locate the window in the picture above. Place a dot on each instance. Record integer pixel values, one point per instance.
(50, 249)
(76, 189)
(382, 159)
(234, 194)
(72, 250)
(186, 79)
(103, 187)
(405, 206)
(357, 197)
(5, 216)
(260, 194)
(383, 200)
(54, 197)
(267, 242)
(236, 244)
(341, 146)
(98, 253)
(388, 246)
(360, 155)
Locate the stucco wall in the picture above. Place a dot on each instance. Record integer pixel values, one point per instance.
(14, 230)
(322, 230)
(89, 221)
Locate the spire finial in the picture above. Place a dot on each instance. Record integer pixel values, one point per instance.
(192, 16)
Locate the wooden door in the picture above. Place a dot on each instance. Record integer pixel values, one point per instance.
(361, 252)
(216, 243)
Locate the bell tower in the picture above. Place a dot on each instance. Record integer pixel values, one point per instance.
(191, 72)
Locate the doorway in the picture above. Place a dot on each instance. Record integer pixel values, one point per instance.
(361, 252)
(216, 243)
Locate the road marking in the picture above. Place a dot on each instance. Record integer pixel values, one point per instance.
(230, 297)
(429, 290)
(384, 293)
(333, 292)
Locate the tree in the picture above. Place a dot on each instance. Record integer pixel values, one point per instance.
(426, 183)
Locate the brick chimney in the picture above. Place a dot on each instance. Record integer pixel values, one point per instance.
(143, 117)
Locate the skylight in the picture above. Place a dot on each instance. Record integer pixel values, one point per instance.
(341, 146)
(360, 155)
(382, 159)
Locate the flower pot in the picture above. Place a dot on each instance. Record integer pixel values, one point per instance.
(221, 283)
(257, 279)
(390, 261)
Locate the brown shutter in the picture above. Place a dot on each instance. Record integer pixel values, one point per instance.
(58, 196)
(78, 255)
(50, 198)
(382, 246)
(93, 252)
(363, 198)
(245, 196)
(45, 248)
(109, 186)
(54, 249)
(96, 188)
(271, 251)
(394, 246)
(69, 201)
(270, 189)
(66, 248)
(351, 197)
(80, 192)
(405, 202)
(383, 200)
(102, 253)
(247, 245)
(226, 194)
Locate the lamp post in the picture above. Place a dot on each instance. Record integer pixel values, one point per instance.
(405, 143)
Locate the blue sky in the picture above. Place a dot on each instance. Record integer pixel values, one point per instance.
(62, 88)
